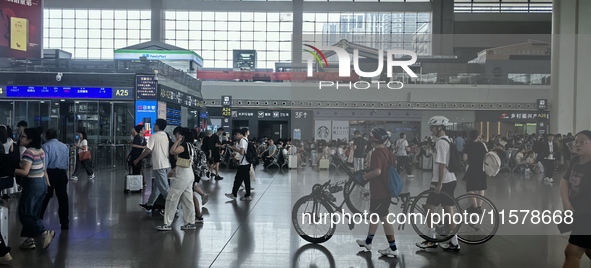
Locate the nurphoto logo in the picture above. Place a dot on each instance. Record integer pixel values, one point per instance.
(317, 55)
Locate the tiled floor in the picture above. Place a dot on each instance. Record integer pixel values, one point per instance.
(108, 229)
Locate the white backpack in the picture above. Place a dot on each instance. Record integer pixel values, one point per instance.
(492, 163)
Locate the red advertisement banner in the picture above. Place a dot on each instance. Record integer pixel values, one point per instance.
(21, 29)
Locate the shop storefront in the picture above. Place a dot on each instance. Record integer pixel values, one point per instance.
(263, 122)
(341, 124)
(156, 100)
(517, 122)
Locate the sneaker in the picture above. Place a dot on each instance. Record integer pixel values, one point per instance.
(231, 196)
(164, 228)
(389, 253)
(198, 219)
(246, 198)
(47, 237)
(208, 175)
(362, 244)
(411, 176)
(146, 208)
(6, 259)
(204, 199)
(190, 226)
(161, 212)
(450, 246)
(74, 178)
(219, 178)
(426, 244)
(550, 180)
(91, 177)
(29, 243)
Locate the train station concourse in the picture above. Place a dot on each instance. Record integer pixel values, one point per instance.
(295, 133)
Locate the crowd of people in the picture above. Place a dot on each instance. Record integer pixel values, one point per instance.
(40, 164)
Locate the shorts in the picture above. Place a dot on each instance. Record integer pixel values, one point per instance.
(380, 206)
(439, 199)
(581, 231)
(216, 158)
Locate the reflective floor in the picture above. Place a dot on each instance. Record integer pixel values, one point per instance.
(108, 229)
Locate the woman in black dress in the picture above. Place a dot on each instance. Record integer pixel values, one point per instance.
(475, 177)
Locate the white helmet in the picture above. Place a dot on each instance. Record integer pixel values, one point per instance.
(439, 120)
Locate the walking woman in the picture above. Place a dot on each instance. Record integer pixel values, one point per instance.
(475, 177)
(34, 189)
(181, 189)
(82, 146)
(575, 190)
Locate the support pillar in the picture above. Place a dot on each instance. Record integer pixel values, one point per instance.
(296, 39)
(157, 19)
(571, 62)
(442, 18)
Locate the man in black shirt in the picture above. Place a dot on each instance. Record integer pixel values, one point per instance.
(205, 149)
(358, 151)
(137, 147)
(215, 145)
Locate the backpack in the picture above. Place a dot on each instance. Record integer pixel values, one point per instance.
(492, 163)
(199, 162)
(455, 164)
(394, 183)
(251, 154)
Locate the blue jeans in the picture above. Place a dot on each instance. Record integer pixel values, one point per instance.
(29, 206)
(160, 185)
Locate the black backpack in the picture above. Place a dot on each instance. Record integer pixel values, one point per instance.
(455, 164)
(251, 154)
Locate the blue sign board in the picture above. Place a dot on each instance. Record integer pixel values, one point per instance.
(146, 113)
(51, 92)
(203, 115)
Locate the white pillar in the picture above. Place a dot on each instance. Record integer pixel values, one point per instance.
(571, 62)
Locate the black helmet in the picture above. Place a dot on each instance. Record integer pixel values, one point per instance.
(379, 135)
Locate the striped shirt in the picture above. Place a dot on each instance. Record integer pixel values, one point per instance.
(37, 158)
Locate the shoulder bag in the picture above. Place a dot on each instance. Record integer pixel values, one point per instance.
(183, 162)
(84, 155)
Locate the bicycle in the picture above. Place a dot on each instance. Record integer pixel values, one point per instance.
(323, 206)
(322, 197)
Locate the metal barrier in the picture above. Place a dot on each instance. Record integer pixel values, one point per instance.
(103, 156)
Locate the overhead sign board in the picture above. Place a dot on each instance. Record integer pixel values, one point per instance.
(161, 55)
(50, 92)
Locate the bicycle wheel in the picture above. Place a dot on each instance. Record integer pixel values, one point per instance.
(312, 255)
(356, 196)
(480, 228)
(311, 219)
(444, 227)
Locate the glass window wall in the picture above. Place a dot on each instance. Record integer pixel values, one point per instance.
(94, 33)
(383, 30)
(214, 35)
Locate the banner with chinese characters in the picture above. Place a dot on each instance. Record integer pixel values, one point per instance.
(322, 130)
(340, 130)
(511, 116)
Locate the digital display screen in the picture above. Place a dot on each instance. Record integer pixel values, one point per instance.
(173, 116)
(180, 98)
(146, 87)
(49, 92)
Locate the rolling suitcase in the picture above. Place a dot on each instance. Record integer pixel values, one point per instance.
(292, 161)
(133, 183)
